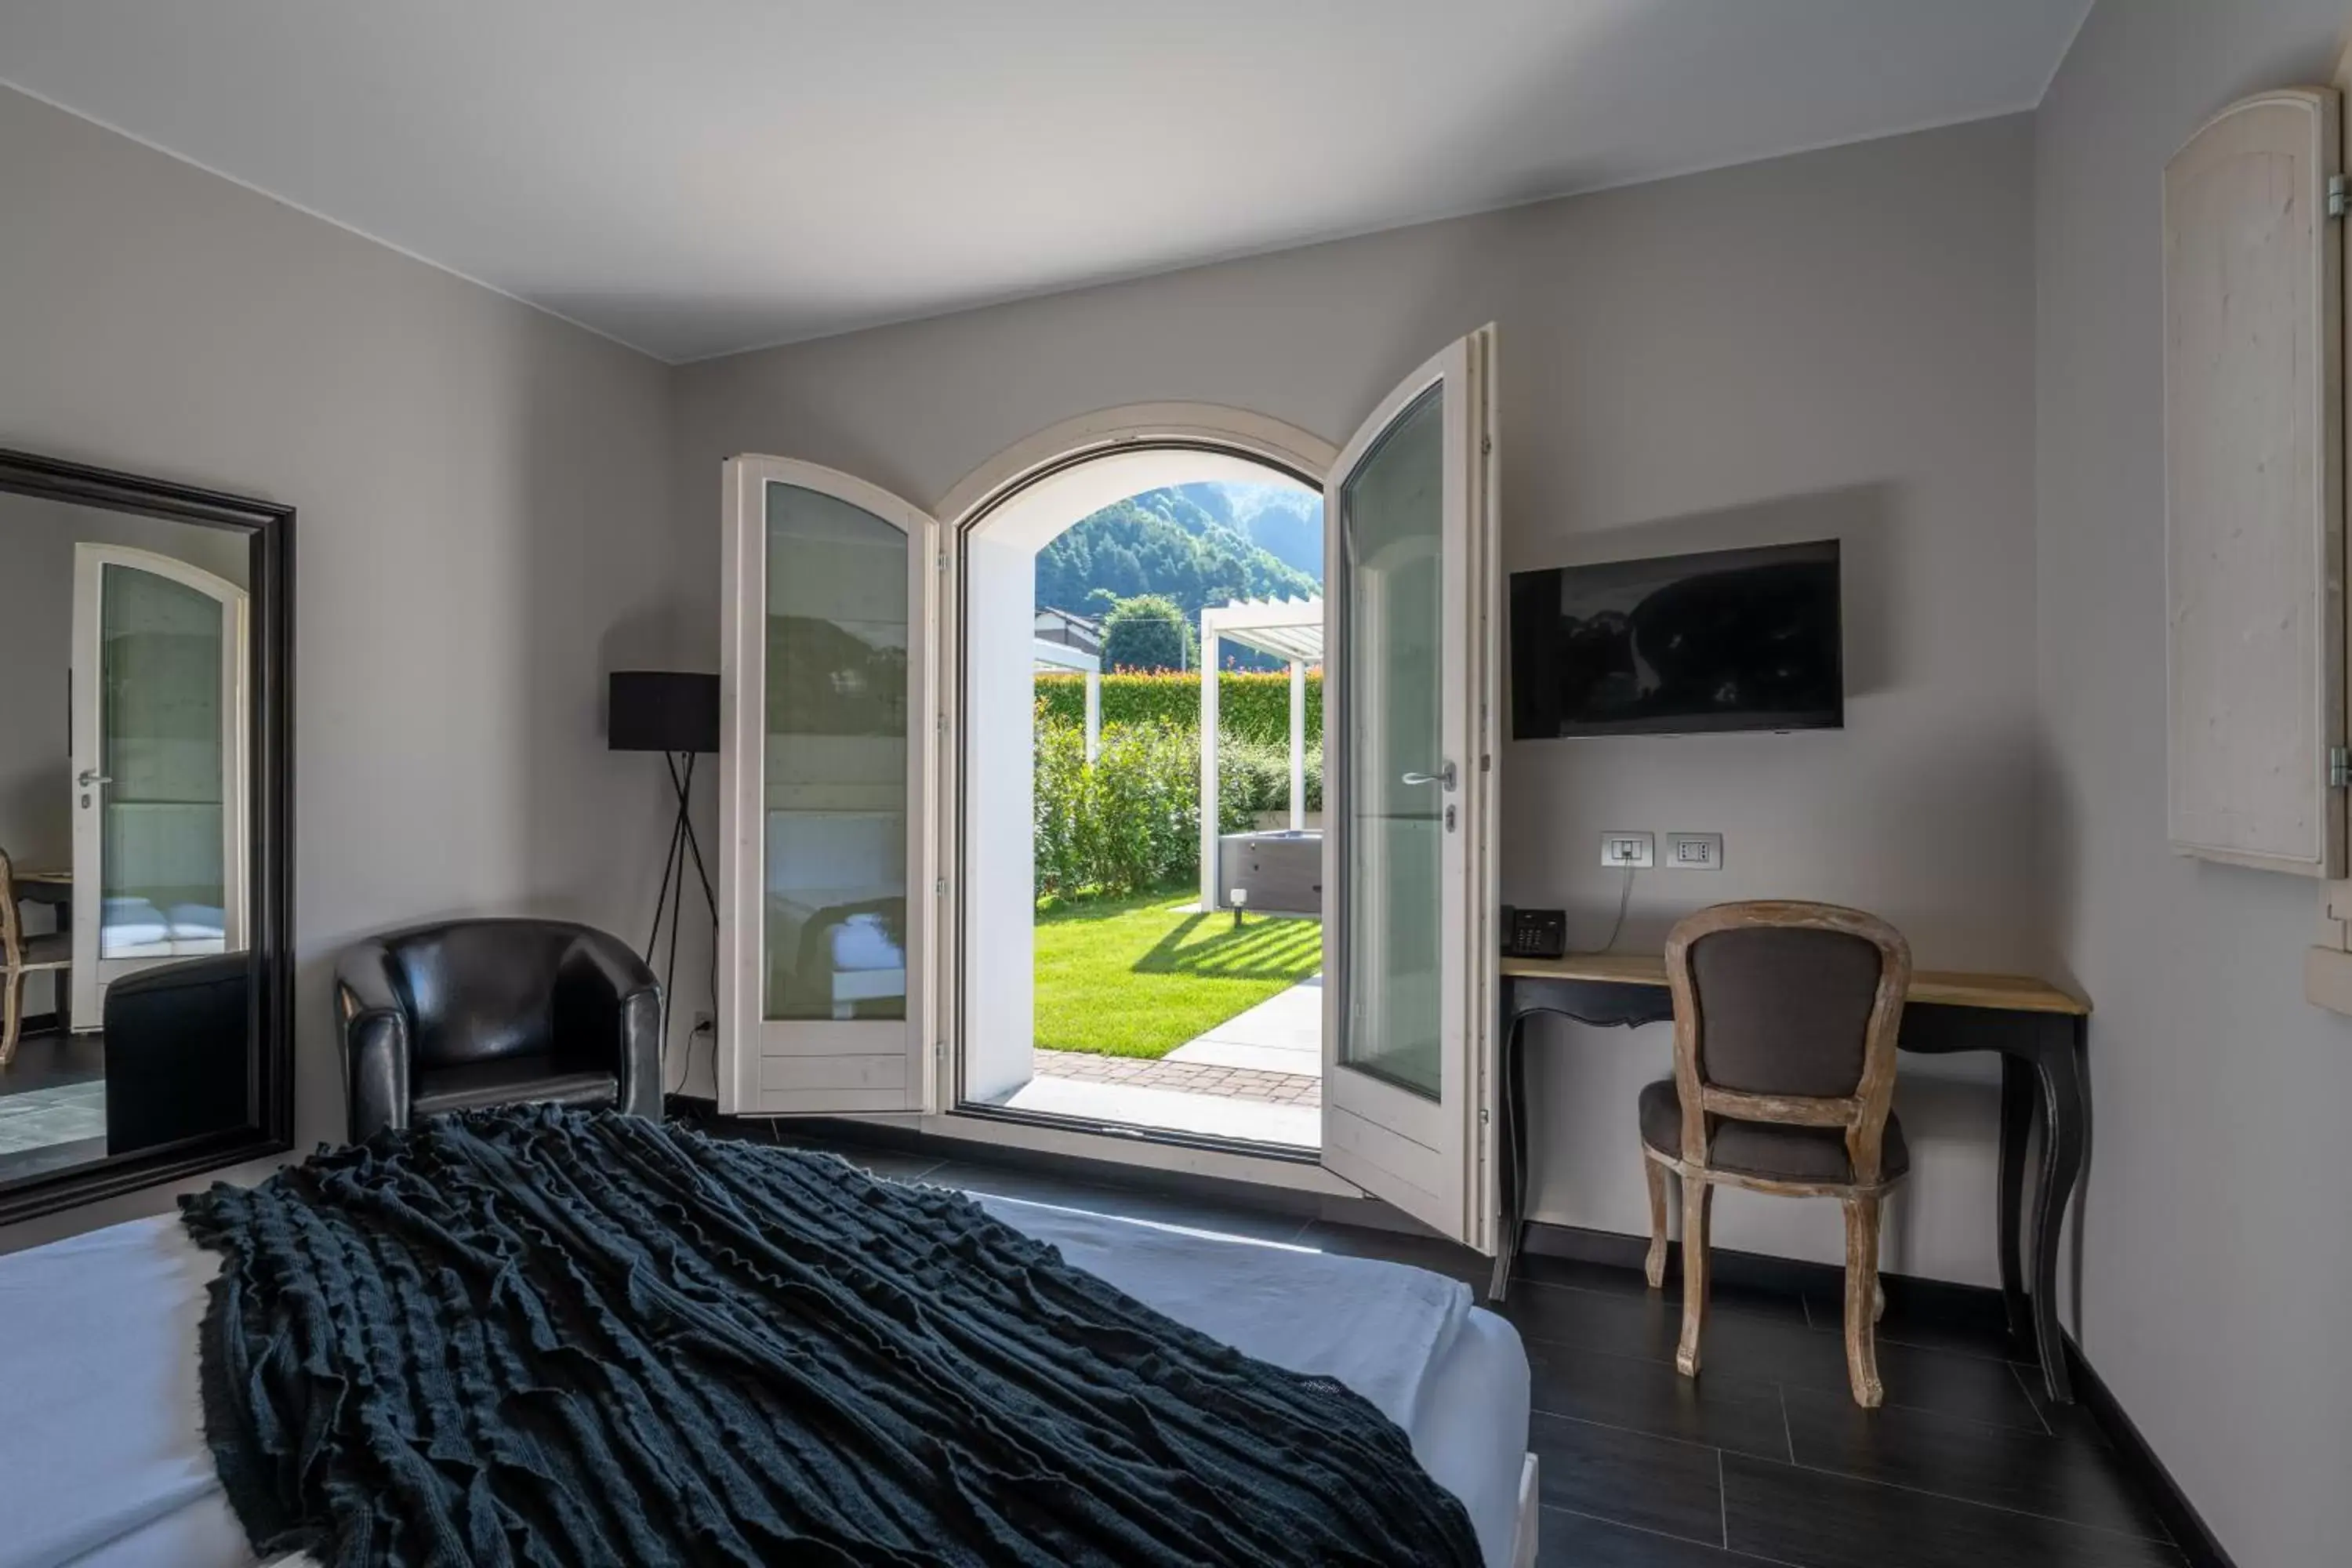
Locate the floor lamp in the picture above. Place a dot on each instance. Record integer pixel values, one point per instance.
(674, 712)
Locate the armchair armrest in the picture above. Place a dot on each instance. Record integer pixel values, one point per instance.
(608, 1014)
(372, 1022)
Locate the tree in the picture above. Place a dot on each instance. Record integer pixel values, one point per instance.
(1148, 632)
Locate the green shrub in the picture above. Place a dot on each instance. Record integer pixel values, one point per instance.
(1130, 822)
(1255, 777)
(1254, 705)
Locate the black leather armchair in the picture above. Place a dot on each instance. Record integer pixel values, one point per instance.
(469, 1013)
(177, 1056)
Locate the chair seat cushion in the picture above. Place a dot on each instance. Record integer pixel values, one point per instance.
(509, 1081)
(1765, 1149)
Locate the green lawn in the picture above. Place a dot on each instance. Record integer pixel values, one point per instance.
(1138, 977)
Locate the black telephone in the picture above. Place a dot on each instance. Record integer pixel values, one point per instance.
(1534, 933)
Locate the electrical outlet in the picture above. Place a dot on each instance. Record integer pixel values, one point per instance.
(1622, 850)
(1695, 851)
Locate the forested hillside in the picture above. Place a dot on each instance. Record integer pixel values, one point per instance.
(1197, 544)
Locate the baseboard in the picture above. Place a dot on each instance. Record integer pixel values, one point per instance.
(2187, 1528)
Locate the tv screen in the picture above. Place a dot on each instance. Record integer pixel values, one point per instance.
(1730, 639)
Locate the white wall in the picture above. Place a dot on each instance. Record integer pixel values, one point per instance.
(2215, 1252)
(484, 497)
(1836, 342)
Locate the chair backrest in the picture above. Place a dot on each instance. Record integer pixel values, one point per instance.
(1787, 1011)
(480, 990)
(11, 933)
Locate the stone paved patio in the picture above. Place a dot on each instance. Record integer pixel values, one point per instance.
(1256, 1076)
(1190, 1078)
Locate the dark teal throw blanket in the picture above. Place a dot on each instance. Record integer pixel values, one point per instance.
(551, 1337)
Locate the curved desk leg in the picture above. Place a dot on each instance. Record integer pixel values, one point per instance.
(1514, 1145)
(2017, 1092)
(2066, 1134)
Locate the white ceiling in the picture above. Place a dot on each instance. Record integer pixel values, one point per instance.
(695, 177)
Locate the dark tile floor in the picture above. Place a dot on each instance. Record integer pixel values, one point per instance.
(1762, 1460)
(53, 1058)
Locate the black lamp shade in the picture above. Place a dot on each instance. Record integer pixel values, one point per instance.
(662, 710)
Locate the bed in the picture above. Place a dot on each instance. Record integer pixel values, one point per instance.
(102, 1463)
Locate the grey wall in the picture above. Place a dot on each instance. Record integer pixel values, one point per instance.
(2216, 1257)
(1836, 342)
(37, 586)
(483, 529)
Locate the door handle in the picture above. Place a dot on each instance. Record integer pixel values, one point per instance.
(1444, 775)
(90, 776)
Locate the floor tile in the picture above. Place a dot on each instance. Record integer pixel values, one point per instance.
(1914, 1378)
(2056, 1476)
(1649, 1483)
(1650, 1396)
(1823, 1520)
(1727, 1296)
(1565, 1540)
(1928, 1321)
(1746, 1345)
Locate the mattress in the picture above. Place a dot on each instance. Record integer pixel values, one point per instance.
(102, 1462)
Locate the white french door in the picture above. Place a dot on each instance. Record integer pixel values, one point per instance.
(1411, 600)
(826, 871)
(158, 732)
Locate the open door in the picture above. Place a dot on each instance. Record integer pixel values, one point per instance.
(825, 878)
(1409, 955)
(159, 767)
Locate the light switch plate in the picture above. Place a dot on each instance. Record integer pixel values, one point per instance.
(1694, 851)
(1619, 850)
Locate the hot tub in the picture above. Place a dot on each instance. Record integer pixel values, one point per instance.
(1281, 873)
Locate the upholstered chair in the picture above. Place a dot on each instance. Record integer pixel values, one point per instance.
(22, 957)
(1785, 1019)
(470, 1013)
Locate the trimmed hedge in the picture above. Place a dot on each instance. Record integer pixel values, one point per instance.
(1251, 705)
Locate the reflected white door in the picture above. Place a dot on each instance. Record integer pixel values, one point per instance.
(1409, 590)
(825, 901)
(159, 767)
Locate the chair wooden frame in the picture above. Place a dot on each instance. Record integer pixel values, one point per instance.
(1862, 1115)
(20, 957)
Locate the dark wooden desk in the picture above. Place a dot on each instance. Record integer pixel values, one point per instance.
(2040, 1033)
(53, 887)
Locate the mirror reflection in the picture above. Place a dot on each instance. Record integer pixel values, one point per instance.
(124, 787)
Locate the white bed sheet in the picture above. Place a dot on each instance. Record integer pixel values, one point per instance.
(102, 1462)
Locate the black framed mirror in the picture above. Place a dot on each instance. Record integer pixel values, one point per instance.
(146, 783)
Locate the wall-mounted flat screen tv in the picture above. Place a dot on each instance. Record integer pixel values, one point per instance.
(1728, 639)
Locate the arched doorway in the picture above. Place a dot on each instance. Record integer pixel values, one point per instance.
(1140, 1053)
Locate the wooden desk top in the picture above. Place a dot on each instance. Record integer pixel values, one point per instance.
(49, 877)
(2005, 992)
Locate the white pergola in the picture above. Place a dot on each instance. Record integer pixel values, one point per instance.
(1050, 655)
(1289, 629)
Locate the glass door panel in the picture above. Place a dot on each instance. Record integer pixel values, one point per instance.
(159, 766)
(825, 898)
(833, 821)
(163, 885)
(1391, 525)
(1409, 1078)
